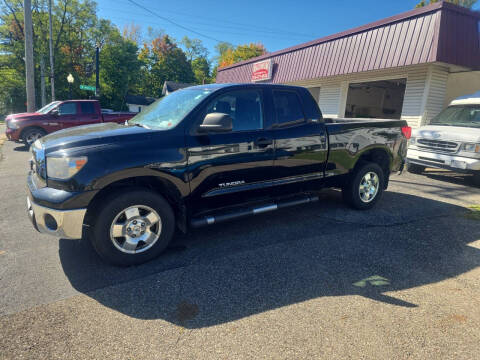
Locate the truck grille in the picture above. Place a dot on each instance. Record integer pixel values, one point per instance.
(438, 145)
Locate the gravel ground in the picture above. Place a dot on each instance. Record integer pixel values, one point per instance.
(318, 281)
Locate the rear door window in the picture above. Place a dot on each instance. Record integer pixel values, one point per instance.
(287, 108)
(243, 106)
(68, 109)
(87, 108)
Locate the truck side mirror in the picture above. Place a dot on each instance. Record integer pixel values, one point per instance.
(216, 122)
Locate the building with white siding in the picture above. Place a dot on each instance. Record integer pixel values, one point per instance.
(408, 66)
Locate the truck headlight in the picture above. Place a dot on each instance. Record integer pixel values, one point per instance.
(64, 167)
(12, 125)
(474, 148)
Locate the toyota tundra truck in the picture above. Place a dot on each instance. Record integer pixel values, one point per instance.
(200, 156)
(57, 115)
(451, 140)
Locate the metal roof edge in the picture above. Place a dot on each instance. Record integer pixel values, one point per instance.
(389, 20)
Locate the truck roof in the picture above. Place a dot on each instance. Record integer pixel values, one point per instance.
(471, 99)
(233, 85)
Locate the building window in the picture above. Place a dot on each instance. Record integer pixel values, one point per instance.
(376, 99)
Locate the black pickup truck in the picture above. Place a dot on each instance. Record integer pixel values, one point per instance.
(200, 156)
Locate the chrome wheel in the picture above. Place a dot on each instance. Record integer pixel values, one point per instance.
(135, 229)
(368, 188)
(32, 137)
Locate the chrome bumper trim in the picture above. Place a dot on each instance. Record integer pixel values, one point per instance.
(437, 160)
(69, 222)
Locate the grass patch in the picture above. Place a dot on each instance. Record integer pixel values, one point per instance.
(473, 212)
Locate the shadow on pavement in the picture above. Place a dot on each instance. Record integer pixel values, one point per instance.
(230, 271)
(451, 177)
(21, 148)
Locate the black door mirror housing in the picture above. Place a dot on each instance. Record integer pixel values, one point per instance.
(216, 122)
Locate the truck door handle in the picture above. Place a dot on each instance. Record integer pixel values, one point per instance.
(263, 142)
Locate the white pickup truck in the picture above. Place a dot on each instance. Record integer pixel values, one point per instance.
(451, 141)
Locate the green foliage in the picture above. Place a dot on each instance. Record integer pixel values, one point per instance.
(129, 62)
(473, 212)
(119, 72)
(229, 55)
(201, 70)
(464, 3)
(163, 60)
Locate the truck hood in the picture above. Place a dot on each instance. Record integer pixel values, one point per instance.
(21, 116)
(448, 133)
(89, 135)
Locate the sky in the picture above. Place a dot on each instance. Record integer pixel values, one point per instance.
(276, 24)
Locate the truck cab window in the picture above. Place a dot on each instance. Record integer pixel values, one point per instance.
(244, 107)
(67, 109)
(87, 108)
(288, 108)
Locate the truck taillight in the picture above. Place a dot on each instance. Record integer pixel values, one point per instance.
(407, 132)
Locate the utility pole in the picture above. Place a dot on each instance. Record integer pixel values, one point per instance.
(97, 72)
(42, 81)
(50, 43)
(29, 70)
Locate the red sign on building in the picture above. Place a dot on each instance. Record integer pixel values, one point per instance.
(262, 70)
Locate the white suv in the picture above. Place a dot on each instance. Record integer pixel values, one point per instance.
(451, 141)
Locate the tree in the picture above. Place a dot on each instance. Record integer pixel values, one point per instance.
(230, 56)
(197, 56)
(465, 3)
(162, 60)
(194, 48)
(133, 33)
(76, 32)
(201, 70)
(222, 47)
(119, 71)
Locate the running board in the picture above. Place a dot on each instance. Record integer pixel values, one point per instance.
(248, 211)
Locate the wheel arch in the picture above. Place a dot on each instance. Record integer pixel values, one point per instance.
(380, 156)
(157, 184)
(30, 127)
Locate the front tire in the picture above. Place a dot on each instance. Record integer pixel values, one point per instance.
(365, 187)
(415, 169)
(132, 227)
(31, 135)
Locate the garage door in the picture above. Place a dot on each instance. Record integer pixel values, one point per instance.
(376, 99)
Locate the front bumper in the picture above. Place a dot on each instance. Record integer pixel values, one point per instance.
(66, 224)
(12, 134)
(443, 161)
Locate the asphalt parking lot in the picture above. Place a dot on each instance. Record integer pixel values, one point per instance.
(318, 281)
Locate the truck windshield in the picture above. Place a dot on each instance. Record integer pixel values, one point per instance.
(459, 115)
(168, 111)
(48, 107)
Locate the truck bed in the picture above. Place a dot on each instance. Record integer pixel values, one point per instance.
(349, 137)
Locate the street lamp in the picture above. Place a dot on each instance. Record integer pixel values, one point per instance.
(70, 80)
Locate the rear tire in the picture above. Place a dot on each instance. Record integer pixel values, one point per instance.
(415, 169)
(132, 227)
(31, 135)
(365, 187)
